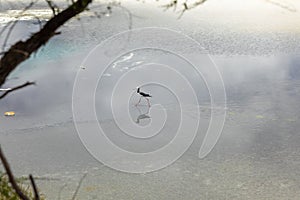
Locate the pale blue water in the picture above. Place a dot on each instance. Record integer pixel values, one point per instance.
(257, 156)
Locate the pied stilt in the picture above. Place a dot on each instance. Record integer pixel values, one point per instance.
(143, 94)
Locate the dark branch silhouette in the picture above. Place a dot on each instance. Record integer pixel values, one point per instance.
(78, 186)
(22, 50)
(53, 7)
(35, 190)
(185, 6)
(11, 177)
(12, 24)
(16, 88)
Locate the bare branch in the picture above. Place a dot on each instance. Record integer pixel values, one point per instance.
(53, 7)
(281, 5)
(14, 24)
(35, 190)
(60, 190)
(78, 186)
(172, 4)
(12, 58)
(16, 88)
(39, 22)
(11, 177)
(186, 5)
(129, 13)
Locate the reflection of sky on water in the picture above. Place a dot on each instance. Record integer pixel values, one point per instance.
(262, 97)
(251, 82)
(260, 134)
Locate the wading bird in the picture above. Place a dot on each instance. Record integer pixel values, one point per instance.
(145, 95)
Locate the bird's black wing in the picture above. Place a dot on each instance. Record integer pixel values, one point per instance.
(145, 94)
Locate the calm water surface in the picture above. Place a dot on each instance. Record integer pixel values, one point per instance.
(257, 156)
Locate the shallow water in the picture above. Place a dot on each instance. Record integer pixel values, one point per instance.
(257, 156)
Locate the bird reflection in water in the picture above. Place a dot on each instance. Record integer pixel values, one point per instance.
(142, 115)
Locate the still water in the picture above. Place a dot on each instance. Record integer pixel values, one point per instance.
(256, 157)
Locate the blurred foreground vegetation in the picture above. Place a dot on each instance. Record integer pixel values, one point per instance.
(8, 193)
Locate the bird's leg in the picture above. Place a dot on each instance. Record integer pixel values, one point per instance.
(148, 110)
(148, 102)
(138, 101)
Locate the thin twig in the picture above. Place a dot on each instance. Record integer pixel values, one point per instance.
(39, 22)
(14, 24)
(11, 59)
(60, 190)
(129, 13)
(186, 5)
(41, 178)
(286, 7)
(78, 186)
(11, 177)
(35, 190)
(16, 88)
(170, 5)
(53, 7)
